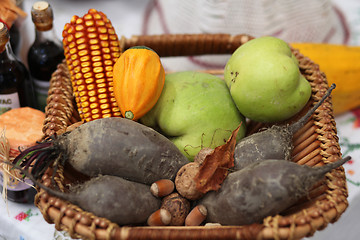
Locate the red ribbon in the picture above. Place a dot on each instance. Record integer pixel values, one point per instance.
(4, 23)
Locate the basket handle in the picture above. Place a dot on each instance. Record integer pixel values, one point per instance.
(167, 45)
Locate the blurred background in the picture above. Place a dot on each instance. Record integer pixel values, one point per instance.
(331, 21)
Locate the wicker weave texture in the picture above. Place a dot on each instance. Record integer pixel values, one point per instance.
(315, 144)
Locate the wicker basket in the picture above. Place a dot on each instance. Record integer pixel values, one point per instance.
(315, 144)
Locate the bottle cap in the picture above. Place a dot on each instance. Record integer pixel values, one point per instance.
(4, 36)
(42, 15)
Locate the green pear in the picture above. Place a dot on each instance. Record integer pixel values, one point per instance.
(265, 82)
(195, 110)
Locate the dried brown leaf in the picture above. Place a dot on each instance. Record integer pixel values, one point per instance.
(216, 165)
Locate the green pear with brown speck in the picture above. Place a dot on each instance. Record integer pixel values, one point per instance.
(265, 82)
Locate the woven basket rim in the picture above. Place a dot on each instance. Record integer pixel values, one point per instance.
(326, 208)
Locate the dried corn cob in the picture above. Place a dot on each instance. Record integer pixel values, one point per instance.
(91, 48)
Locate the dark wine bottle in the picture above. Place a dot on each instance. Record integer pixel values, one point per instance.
(20, 192)
(45, 53)
(16, 89)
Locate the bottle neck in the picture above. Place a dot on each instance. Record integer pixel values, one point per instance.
(48, 35)
(7, 54)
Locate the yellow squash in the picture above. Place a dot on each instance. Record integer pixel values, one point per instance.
(341, 65)
(138, 81)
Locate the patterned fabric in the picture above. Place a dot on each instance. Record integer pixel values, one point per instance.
(23, 222)
(348, 126)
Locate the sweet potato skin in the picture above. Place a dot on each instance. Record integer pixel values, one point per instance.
(119, 200)
(273, 143)
(261, 189)
(121, 147)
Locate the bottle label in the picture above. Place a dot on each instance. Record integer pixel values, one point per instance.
(16, 185)
(41, 91)
(8, 102)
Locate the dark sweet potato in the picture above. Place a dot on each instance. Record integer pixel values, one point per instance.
(262, 189)
(272, 143)
(109, 146)
(119, 200)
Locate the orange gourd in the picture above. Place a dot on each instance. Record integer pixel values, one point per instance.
(139, 78)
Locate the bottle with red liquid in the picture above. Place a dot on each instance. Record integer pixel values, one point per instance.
(45, 53)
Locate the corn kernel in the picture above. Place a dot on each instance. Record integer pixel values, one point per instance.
(109, 63)
(89, 80)
(97, 16)
(106, 56)
(84, 99)
(100, 23)
(93, 41)
(104, 37)
(96, 58)
(83, 52)
(109, 74)
(84, 104)
(79, 34)
(93, 105)
(104, 44)
(91, 29)
(81, 88)
(88, 16)
(79, 28)
(82, 46)
(88, 75)
(78, 76)
(82, 93)
(85, 64)
(85, 69)
(78, 21)
(97, 64)
(98, 69)
(85, 58)
(95, 116)
(99, 75)
(89, 23)
(73, 51)
(101, 80)
(92, 93)
(101, 85)
(72, 45)
(94, 47)
(101, 90)
(95, 53)
(105, 106)
(109, 115)
(102, 30)
(80, 41)
(92, 35)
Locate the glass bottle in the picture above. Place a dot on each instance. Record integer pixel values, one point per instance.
(16, 89)
(21, 192)
(45, 53)
(15, 38)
